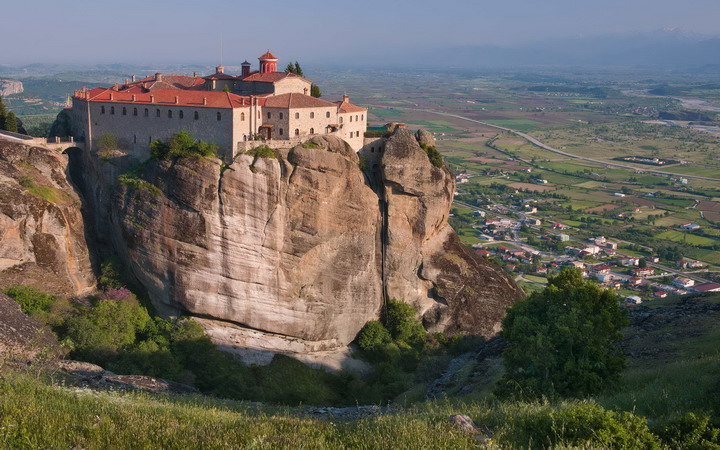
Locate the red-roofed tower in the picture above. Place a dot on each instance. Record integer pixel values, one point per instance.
(245, 69)
(268, 63)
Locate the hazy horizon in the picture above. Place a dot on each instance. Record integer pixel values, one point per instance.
(315, 31)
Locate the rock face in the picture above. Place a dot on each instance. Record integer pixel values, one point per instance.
(42, 236)
(455, 290)
(294, 254)
(9, 87)
(23, 338)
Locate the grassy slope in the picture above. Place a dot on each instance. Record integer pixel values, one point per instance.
(674, 368)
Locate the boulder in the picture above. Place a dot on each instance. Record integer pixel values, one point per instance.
(425, 138)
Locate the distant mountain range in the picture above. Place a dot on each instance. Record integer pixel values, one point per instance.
(672, 49)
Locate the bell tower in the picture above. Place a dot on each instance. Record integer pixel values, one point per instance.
(268, 63)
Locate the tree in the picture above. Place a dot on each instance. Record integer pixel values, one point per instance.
(11, 122)
(642, 263)
(298, 70)
(563, 340)
(315, 91)
(3, 113)
(290, 68)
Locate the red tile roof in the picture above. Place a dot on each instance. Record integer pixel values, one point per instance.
(151, 83)
(345, 107)
(294, 100)
(268, 55)
(170, 97)
(271, 77)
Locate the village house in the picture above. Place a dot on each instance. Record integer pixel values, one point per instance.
(644, 272)
(683, 282)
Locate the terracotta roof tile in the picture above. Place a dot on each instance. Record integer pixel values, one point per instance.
(294, 100)
(167, 97)
(345, 107)
(271, 77)
(268, 55)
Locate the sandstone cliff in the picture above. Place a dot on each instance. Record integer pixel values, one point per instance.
(42, 236)
(9, 87)
(295, 254)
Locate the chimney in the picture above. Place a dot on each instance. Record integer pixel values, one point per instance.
(245, 69)
(204, 100)
(133, 97)
(133, 78)
(152, 98)
(158, 77)
(346, 98)
(195, 74)
(126, 81)
(219, 69)
(111, 95)
(176, 99)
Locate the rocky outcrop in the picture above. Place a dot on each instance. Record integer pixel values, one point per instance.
(23, 339)
(455, 290)
(9, 87)
(42, 235)
(295, 253)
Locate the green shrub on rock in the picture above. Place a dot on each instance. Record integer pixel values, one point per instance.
(31, 300)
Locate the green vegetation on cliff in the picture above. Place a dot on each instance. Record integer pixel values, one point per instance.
(182, 145)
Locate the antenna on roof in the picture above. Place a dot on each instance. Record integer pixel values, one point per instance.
(221, 48)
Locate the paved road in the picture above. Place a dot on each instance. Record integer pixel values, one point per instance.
(560, 152)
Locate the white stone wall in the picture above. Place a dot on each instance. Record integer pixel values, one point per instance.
(292, 85)
(135, 132)
(316, 120)
(352, 128)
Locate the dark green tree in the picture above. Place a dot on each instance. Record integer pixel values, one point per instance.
(290, 68)
(315, 91)
(563, 340)
(642, 263)
(298, 70)
(3, 113)
(11, 122)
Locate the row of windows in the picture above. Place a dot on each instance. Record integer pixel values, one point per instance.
(181, 113)
(357, 118)
(297, 115)
(354, 134)
(297, 131)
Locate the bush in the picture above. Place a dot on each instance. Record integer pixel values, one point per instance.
(563, 340)
(433, 155)
(373, 336)
(585, 425)
(31, 300)
(110, 277)
(402, 324)
(107, 142)
(691, 431)
(182, 145)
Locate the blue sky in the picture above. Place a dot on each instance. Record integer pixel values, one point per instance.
(181, 31)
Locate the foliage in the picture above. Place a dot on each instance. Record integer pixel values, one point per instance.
(563, 340)
(261, 151)
(373, 336)
(182, 145)
(107, 142)
(400, 321)
(133, 180)
(11, 122)
(691, 431)
(315, 90)
(30, 299)
(433, 155)
(311, 144)
(26, 181)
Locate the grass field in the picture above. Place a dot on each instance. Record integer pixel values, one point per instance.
(679, 236)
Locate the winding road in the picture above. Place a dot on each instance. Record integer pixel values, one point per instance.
(544, 146)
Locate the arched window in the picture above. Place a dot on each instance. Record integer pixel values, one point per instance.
(297, 132)
(350, 118)
(341, 119)
(196, 115)
(218, 115)
(112, 110)
(269, 115)
(157, 112)
(356, 118)
(124, 111)
(312, 115)
(134, 111)
(312, 130)
(169, 113)
(258, 114)
(362, 116)
(242, 116)
(282, 116)
(327, 114)
(244, 137)
(102, 109)
(134, 138)
(281, 131)
(147, 112)
(297, 115)
(181, 114)
(149, 139)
